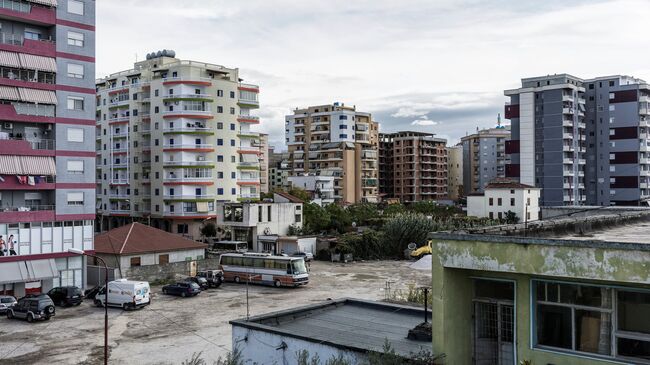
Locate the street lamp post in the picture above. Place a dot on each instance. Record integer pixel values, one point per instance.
(84, 253)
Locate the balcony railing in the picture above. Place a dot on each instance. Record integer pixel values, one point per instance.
(27, 208)
(187, 129)
(188, 163)
(172, 197)
(16, 6)
(248, 196)
(196, 145)
(34, 109)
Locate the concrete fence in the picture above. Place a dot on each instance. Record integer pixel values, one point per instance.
(152, 273)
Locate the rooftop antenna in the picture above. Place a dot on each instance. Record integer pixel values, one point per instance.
(498, 120)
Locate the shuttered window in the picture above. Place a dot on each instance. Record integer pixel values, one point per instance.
(75, 39)
(75, 103)
(75, 71)
(75, 135)
(76, 198)
(75, 167)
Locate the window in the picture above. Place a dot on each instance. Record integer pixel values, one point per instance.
(232, 142)
(499, 201)
(491, 201)
(260, 210)
(76, 7)
(75, 39)
(232, 110)
(76, 198)
(232, 94)
(75, 135)
(220, 191)
(163, 259)
(268, 212)
(220, 93)
(343, 136)
(220, 158)
(219, 125)
(75, 103)
(135, 261)
(75, 167)
(512, 202)
(232, 126)
(219, 109)
(75, 71)
(233, 175)
(219, 174)
(219, 142)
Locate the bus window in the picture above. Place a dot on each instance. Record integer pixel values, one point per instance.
(288, 268)
(280, 265)
(258, 263)
(269, 264)
(237, 261)
(248, 262)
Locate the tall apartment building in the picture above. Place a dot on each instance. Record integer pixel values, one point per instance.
(455, 188)
(484, 157)
(583, 141)
(278, 170)
(47, 189)
(336, 140)
(173, 137)
(547, 148)
(264, 163)
(617, 119)
(413, 166)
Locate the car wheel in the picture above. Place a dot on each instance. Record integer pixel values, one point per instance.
(97, 302)
(277, 283)
(49, 309)
(237, 279)
(164, 291)
(10, 314)
(183, 294)
(30, 318)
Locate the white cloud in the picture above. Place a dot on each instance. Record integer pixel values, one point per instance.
(423, 121)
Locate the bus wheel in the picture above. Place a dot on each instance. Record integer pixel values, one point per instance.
(277, 283)
(237, 280)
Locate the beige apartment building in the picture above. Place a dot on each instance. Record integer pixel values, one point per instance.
(173, 138)
(336, 140)
(413, 166)
(455, 172)
(264, 163)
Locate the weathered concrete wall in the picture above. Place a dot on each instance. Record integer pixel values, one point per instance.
(587, 211)
(169, 271)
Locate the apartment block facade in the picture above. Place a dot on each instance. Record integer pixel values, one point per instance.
(173, 137)
(455, 189)
(587, 139)
(336, 140)
(47, 157)
(413, 166)
(547, 147)
(484, 158)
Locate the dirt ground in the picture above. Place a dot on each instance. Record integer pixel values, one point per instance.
(171, 329)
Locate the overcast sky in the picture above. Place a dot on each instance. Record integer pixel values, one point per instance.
(436, 66)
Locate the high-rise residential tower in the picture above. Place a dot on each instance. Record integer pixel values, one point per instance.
(413, 166)
(47, 154)
(547, 147)
(336, 140)
(484, 157)
(173, 137)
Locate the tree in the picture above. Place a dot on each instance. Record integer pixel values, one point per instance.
(367, 245)
(339, 218)
(405, 228)
(511, 217)
(393, 209)
(209, 230)
(363, 213)
(316, 218)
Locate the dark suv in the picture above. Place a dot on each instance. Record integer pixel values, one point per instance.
(66, 296)
(182, 288)
(203, 282)
(32, 308)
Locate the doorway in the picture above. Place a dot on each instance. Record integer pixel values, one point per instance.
(494, 322)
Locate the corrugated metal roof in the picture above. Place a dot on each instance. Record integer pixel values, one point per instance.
(37, 165)
(9, 93)
(40, 63)
(9, 165)
(37, 96)
(9, 59)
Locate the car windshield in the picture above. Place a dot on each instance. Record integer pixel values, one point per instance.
(298, 267)
(6, 300)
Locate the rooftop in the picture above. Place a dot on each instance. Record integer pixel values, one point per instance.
(138, 238)
(350, 324)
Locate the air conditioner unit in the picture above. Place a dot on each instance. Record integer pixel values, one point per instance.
(200, 158)
(176, 103)
(9, 126)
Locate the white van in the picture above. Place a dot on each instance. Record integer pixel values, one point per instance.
(125, 294)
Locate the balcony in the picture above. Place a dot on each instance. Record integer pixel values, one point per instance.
(248, 166)
(179, 164)
(41, 147)
(188, 113)
(248, 196)
(248, 150)
(175, 213)
(26, 11)
(27, 213)
(172, 179)
(118, 196)
(197, 147)
(187, 97)
(119, 181)
(207, 197)
(188, 130)
(248, 119)
(196, 81)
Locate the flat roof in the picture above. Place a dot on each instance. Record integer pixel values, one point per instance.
(350, 324)
(639, 232)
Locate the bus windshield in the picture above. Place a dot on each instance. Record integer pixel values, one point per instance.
(298, 267)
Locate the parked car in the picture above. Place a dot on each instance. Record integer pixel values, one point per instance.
(308, 256)
(91, 293)
(6, 302)
(65, 296)
(203, 282)
(182, 288)
(31, 308)
(125, 294)
(214, 277)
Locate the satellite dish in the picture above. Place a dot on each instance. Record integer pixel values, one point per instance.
(412, 246)
(267, 231)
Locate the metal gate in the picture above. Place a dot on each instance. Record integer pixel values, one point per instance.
(493, 332)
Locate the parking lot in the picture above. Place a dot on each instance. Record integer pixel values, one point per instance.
(171, 329)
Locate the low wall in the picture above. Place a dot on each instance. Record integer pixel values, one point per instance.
(169, 271)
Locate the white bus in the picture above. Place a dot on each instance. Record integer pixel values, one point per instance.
(264, 269)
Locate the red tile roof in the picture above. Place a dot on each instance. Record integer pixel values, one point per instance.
(289, 197)
(507, 184)
(138, 238)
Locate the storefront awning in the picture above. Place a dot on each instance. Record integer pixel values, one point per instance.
(13, 272)
(37, 96)
(27, 165)
(9, 93)
(42, 269)
(9, 59)
(40, 63)
(45, 2)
